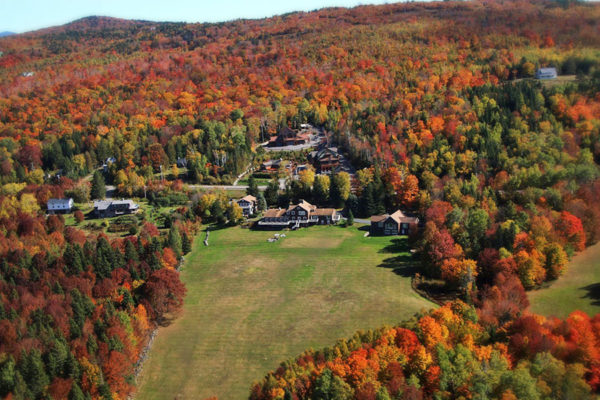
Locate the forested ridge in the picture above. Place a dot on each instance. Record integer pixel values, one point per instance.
(434, 104)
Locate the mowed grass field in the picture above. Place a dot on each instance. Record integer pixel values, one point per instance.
(251, 305)
(577, 289)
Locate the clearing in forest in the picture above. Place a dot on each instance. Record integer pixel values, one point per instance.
(252, 304)
(577, 289)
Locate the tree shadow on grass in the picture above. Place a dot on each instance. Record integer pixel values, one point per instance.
(593, 292)
(397, 246)
(403, 265)
(216, 227)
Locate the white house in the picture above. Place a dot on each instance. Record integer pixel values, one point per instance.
(60, 206)
(248, 205)
(546, 73)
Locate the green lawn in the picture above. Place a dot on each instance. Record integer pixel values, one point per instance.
(252, 304)
(259, 181)
(577, 289)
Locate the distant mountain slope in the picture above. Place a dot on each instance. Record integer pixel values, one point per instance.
(6, 33)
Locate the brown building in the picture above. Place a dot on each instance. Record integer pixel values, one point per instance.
(326, 159)
(297, 215)
(392, 224)
(289, 137)
(271, 165)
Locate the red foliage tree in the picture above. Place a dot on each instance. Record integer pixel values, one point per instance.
(164, 292)
(571, 230)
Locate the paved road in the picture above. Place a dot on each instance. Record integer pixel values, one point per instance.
(225, 187)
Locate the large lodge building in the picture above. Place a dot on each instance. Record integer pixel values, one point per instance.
(298, 215)
(289, 137)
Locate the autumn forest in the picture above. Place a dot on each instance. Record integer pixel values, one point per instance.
(435, 105)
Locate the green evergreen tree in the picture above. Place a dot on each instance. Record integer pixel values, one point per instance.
(104, 260)
(72, 369)
(98, 186)
(73, 257)
(56, 358)
(76, 392)
(8, 372)
(350, 220)
(186, 244)
(262, 202)
(174, 241)
(272, 192)
(32, 369)
(252, 188)
(104, 391)
(131, 253)
(216, 211)
(330, 387)
(367, 202)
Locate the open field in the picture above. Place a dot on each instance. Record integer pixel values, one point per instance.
(252, 304)
(577, 289)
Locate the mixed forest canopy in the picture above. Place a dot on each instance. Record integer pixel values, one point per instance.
(433, 103)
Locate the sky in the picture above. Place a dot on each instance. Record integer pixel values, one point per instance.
(27, 15)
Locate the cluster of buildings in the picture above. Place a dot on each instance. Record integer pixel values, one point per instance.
(324, 160)
(298, 215)
(305, 214)
(290, 137)
(295, 216)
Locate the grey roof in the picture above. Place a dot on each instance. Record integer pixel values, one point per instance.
(59, 202)
(102, 205)
(319, 153)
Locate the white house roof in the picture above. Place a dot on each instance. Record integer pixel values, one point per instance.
(549, 70)
(59, 203)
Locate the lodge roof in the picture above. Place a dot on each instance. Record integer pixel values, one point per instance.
(249, 198)
(398, 217)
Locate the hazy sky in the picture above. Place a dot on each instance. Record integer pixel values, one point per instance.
(26, 15)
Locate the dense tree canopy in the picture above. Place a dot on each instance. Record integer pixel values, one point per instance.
(431, 102)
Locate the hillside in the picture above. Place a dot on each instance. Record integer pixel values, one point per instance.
(435, 109)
